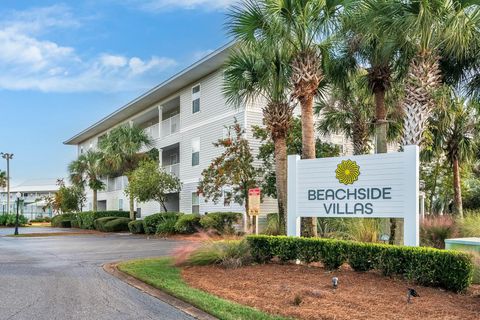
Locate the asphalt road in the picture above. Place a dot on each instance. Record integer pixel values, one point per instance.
(61, 278)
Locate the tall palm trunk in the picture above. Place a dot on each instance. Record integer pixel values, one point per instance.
(360, 134)
(278, 118)
(380, 121)
(457, 188)
(281, 177)
(132, 208)
(306, 77)
(95, 202)
(423, 78)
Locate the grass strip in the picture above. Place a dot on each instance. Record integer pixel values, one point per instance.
(161, 274)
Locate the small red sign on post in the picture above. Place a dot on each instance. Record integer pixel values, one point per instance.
(254, 201)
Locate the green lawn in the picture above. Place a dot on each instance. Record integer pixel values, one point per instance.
(161, 274)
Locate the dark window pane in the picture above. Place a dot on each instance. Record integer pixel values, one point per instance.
(195, 158)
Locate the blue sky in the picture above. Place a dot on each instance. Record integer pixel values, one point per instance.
(64, 65)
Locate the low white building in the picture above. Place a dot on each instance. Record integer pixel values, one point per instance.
(184, 115)
(33, 193)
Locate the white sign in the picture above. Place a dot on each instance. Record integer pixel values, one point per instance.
(366, 186)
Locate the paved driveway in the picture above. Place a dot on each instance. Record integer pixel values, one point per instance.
(61, 278)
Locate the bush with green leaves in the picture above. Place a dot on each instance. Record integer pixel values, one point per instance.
(112, 224)
(41, 219)
(167, 226)
(448, 269)
(9, 220)
(272, 226)
(63, 220)
(151, 222)
(136, 227)
(85, 219)
(222, 222)
(188, 223)
(434, 230)
(227, 253)
(469, 226)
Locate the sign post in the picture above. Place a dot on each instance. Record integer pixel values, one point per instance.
(366, 186)
(254, 206)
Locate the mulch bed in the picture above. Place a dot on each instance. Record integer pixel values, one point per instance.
(275, 287)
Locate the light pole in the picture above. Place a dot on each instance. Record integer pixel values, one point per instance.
(8, 157)
(19, 198)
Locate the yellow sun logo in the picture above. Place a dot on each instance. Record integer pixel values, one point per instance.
(347, 172)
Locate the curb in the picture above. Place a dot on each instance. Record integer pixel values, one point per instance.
(112, 269)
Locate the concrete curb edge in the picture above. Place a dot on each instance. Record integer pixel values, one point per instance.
(189, 309)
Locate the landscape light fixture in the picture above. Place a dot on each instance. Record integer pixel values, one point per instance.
(19, 198)
(335, 282)
(411, 293)
(8, 157)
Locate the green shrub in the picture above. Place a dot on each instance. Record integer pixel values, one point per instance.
(57, 220)
(188, 224)
(222, 222)
(9, 220)
(451, 270)
(272, 227)
(85, 219)
(41, 219)
(469, 226)
(230, 254)
(151, 222)
(74, 223)
(65, 223)
(136, 227)
(167, 226)
(112, 224)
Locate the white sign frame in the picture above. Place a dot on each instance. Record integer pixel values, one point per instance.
(400, 197)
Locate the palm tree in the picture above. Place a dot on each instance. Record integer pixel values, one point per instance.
(3, 179)
(300, 25)
(376, 47)
(458, 126)
(121, 152)
(88, 169)
(350, 109)
(432, 29)
(257, 71)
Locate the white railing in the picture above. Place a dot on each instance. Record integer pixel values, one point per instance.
(170, 125)
(173, 169)
(152, 131)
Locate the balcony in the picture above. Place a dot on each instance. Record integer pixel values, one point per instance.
(152, 131)
(173, 169)
(170, 126)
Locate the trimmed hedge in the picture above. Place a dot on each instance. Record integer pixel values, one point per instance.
(151, 222)
(222, 222)
(111, 224)
(451, 270)
(85, 220)
(136, 227)
(188, 224)
(58, 220)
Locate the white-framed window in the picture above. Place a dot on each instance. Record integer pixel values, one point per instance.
(81, 150)
(120, 204)
(195, 151)
(196, 98)
(195, 203)
(225, 133)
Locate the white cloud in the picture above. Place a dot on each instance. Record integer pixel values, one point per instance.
(29, 62)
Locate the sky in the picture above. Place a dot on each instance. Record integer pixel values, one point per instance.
(65, 65)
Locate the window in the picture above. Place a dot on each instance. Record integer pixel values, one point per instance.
(81, 150)
(120, 204)
(196, 99)
(195, 203)
(195, 152)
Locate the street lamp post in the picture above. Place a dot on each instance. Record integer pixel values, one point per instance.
(19, 198)
(8, 157)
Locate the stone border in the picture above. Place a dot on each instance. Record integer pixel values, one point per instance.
(112, 268)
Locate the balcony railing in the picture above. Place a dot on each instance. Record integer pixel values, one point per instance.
(170, 125)
(152, 131)
(173, 169)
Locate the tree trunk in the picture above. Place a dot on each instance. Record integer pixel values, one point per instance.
(457, 188)
(162, 204)
(381, 126)
(308, 151)
(132, 208)
(95, 204)
(281, 177)
(380, 122)
(434, 187)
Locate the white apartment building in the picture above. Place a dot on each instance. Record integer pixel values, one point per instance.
(183, 115)
(33, 193)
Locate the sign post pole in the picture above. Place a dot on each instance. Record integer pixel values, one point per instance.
(293, 221)
(411, 221)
